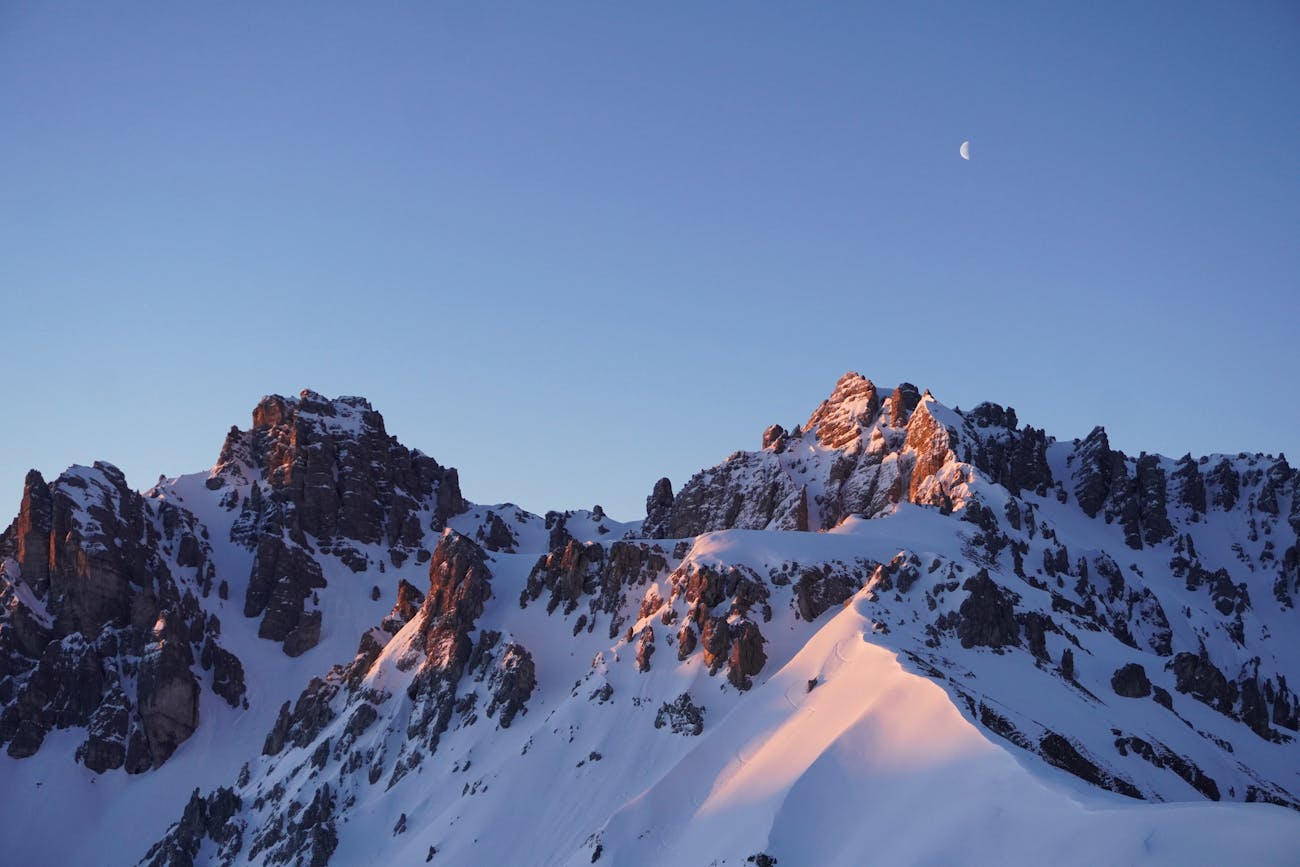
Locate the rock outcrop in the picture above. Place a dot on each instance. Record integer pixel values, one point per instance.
(659, 511)
(987, 617)
(864, 456)
(318, 476)
(1131, 681)
(102, 623)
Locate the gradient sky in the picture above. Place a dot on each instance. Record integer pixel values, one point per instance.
(571, 247)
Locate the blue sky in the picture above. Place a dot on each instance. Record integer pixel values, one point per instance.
(569, 248)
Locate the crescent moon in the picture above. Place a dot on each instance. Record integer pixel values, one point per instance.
(964, 150)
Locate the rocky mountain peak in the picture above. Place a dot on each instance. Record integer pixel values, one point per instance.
(854, 406)
(340, 413)
(839, 420)
(102, 626)
(458, 580)
(32, 532)
(856, 455)
(320, 474)
(931, 441)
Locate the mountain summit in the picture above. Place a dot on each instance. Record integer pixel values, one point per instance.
(901, 628)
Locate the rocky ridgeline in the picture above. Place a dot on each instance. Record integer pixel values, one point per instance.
(448, 669)
(706, 609)
(862, 453)
(319, 476)
(859, 455)
(103, 627)
(1106, 581)
(856, 455)
(105, 623)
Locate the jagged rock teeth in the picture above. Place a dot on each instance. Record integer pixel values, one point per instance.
(853, 405)
(659, 510)
(327, 470)
(864, 459)
(1094, 471)
(97, 627)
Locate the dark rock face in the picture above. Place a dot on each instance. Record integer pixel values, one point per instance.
(1200, 678)
(749, 491)
(279, 733)
(1067, 664)
(324, 473)
(1095, 471)
(168, 696)
(659, 511)
(409, 601)
(1190, 485)
(495, 535)
(1255, 700)
(205, 818)
(1139, 501)
(819, 589)
(902, 402)
(96, 630)
(574, 571)
(31, 533)
(987, 618)
(227, 671)
(105, 746)
(1275, 482)
(344, 478)
(686, 641)
(774, 438)
(715, 639)
(645, 648)
(459, 587)
(747, 657)
(1014, 458)
(311, 713)
(1149, 491)
(1162, 757)
(305, 634)
(682, 716)
(1131, 681)
(711, 600)
(283, 578)
(459, 584)
(1059, 751)
(568, 573)
(512, 684)
(988, 414)
(1225, 483)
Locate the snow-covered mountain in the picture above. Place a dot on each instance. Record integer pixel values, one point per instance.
(897, 633)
